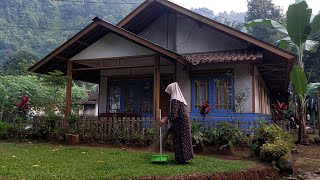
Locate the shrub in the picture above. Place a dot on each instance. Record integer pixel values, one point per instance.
(212, 135)
(274, 151)
(270, 134)
(5, 130)
(228, 135)
(150, 135)
(272, 142)
(198, 136)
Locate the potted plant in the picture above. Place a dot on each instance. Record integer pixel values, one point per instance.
(72, 136)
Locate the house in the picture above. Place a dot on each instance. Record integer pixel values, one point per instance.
(161, 42)
(90, 106)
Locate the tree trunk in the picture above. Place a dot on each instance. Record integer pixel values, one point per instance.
(304, 135)
(319, 112)
(297, 117)
(314, 122)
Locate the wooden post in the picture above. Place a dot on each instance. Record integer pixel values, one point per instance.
(156, 89)
(68, 90)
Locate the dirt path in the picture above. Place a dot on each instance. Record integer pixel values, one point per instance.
(306, 160)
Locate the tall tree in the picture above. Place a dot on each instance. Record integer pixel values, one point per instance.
(18, 63)
(264, 9)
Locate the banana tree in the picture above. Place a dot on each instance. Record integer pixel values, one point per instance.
(299, 30)
(303, 90)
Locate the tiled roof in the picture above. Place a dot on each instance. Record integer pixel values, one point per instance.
(92, 98)
(223, 57)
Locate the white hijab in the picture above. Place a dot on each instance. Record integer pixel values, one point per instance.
(175, 92)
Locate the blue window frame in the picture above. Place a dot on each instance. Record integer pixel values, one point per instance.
(130, 96)
(217, 90)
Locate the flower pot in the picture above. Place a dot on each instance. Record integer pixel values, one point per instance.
(72, 139)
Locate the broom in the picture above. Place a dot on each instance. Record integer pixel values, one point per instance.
(154, 147)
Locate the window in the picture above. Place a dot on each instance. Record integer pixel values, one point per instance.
(222, 93)
(201, 92)
(217, 90)
(114, 98)
(146, 98)
(130, 96)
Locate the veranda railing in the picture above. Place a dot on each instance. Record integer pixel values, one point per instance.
(108, 129)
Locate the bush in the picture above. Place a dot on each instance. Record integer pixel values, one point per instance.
(150, 135)
(5, 130)
(270, 134)
(198, 136)
(272, 142)
(228, 135)
(212, 135)
(274, 151)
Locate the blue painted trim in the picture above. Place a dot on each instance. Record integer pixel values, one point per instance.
(211, 80)
(233, 118)
(138, 84)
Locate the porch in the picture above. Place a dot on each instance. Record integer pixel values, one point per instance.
(130, 129)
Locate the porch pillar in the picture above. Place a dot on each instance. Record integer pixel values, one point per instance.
(156, 89)
(68, 90)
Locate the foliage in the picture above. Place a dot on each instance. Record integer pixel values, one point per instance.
(51, 22)
(278, 110)
(223, 18)
(204, 109)
(47, 127)
(150, 135)
(264, 9)
(18, 63)
(65, 162)
(73, 120)
(241, 98)
(288, 113)
(227, 135)
(272, 142)
(300, 84)
(299, 28)
(212, 135)
(13, 87)
(317, 140)
(274, 151)
(198, 135)
(42, 95)
(5, 130)
(300, 31)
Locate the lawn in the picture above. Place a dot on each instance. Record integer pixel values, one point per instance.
(45, 161)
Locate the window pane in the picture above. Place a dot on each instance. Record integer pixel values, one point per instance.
(201, 92)
(114, 98)
(129, 99)
(146, 98)
(222, 96)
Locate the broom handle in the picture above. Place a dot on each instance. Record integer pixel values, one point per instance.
(160, 135)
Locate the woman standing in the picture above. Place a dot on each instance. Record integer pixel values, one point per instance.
(181, 130)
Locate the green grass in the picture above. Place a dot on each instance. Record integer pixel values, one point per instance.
(43, 161)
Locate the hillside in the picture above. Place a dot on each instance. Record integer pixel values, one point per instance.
(39, 26)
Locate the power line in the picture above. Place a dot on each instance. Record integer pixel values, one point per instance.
(40, 28)
(92, 2)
